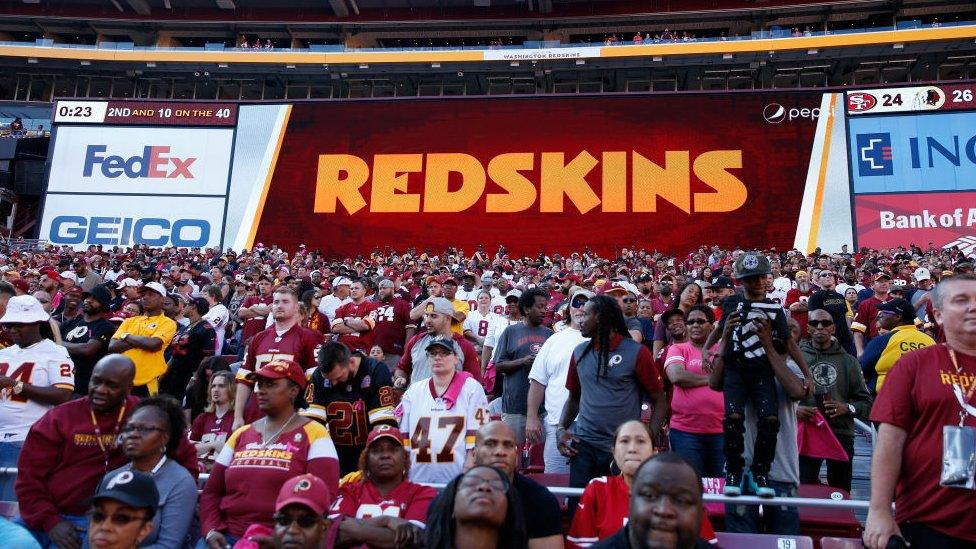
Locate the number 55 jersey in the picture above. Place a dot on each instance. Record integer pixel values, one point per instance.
(441, 428)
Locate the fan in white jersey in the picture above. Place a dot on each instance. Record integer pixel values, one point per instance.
(441, 416)
(478, 322)
(218, 316)
(36, 374)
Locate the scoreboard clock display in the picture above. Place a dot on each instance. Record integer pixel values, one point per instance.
(145, 113)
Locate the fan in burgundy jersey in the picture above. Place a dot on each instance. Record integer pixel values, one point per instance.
(286, 339)
(382, 491)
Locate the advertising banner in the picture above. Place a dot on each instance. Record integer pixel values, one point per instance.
(550, 174)
(167, 161)
(911, 153)
(940, 218)
(84, 220)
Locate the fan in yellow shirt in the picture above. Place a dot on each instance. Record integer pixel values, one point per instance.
(144, 339)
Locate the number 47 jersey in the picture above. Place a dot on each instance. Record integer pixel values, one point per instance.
(441, 429)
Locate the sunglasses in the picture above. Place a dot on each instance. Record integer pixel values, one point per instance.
(820, 323)
(304, 521)
(697, 321)
(579, 301)
(118, 519)
(629, 300)
(472, 482)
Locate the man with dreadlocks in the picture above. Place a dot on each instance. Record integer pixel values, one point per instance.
(607, 376)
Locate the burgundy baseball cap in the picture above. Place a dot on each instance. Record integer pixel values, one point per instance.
(308, 490)
(381, 431)
(280, 369)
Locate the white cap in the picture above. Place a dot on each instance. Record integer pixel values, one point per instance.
(24, 309)
(922, 273)
(341, 281)
(70, 275)
(129, 282)
(156, 287)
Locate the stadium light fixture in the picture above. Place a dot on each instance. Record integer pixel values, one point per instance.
(581, 61)
(32, 60)
(289, 66)
(150, 64)
(813, 51)
(656, 58)
(513, 64)
(222, 65)
(364, 65)
(898, 46)
(726, 56)
(85, 62)
(435, 65)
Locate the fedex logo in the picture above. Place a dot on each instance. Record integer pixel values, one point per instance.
(154, 163)
(874, 154)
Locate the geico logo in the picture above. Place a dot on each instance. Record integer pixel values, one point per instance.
(455, 182)
(154, 163)
(125, 231)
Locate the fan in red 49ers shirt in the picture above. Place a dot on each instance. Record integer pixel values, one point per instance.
(381, 493)
(354, 321)
(285, 339)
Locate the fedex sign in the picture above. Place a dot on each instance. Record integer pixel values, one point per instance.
(155, 162)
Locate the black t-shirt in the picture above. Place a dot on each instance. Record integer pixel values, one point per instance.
(190, 346)
(353, 408)
(746, 349)
(621, 540)
(835, 304)
(518, 341)
(76, 330)
(542, 515)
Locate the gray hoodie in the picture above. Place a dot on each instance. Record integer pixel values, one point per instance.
(839, 374)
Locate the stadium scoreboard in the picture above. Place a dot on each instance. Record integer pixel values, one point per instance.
(149, 113)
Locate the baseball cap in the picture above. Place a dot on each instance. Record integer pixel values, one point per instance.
(308, 490)
(881, 275)
(511, 298)
(644, 277)
(24, 309)
(443, 342)
(486, 277)
(446, 279)
(280, 369)
(70, 275)
(21, 285)
(440, 305)
(341, 281)
(133, 488)
(901, 307)
(666, 315)
(385, 431)
(156, 287)
(722, 283)
(922, 273)
(613, 287)
(129, 282)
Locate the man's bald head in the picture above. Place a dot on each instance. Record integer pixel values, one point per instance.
(111, 381)
(495, 445)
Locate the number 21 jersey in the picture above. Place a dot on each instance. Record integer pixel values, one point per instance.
(441, 434)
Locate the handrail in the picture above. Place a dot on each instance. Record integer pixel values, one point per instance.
(765, 34)
(708, 498)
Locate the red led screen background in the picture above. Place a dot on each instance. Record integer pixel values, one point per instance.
(775, 158)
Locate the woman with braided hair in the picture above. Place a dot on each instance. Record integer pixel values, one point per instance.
(607, 377)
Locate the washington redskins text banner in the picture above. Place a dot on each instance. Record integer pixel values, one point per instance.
(534, 174)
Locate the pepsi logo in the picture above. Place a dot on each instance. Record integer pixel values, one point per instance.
(774, 113)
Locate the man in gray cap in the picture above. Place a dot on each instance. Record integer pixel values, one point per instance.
(414, 364)
(86, 336)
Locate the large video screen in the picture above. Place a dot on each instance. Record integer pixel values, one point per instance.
(912, 160)
(553, 174)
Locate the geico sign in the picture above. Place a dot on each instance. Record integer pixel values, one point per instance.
(154, 163)
(341, 176)
(121, 231)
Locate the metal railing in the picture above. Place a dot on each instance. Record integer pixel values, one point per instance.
(766, 34)
(563, 491)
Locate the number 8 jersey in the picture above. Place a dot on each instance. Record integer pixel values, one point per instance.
(441, 429)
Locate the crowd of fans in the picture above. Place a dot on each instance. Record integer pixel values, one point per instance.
(323, 396)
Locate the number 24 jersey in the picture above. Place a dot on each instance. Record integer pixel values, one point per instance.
(439, 434)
